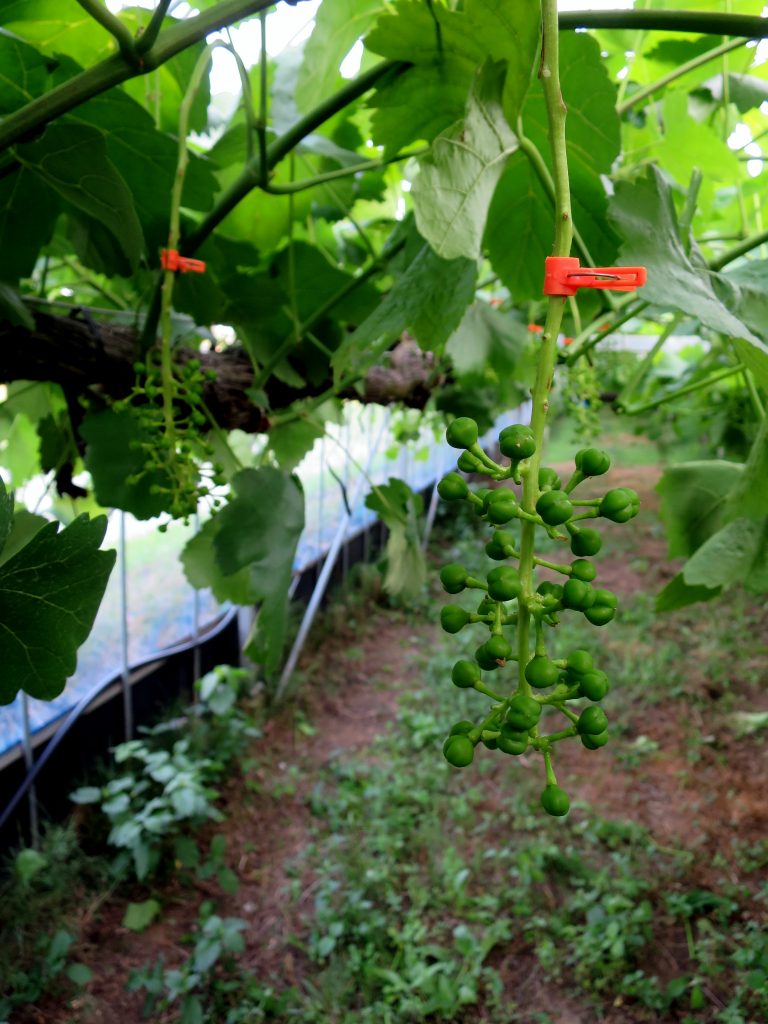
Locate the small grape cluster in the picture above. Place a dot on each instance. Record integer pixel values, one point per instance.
(168, 409)
(510, 602)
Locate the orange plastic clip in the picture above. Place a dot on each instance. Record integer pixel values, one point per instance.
(563, 275)
(170, 260)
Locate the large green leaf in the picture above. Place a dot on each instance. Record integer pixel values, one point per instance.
(73, 161)
(679, 594)
(116, 453)
(508, 31)
(645, 215)
(520, 226)
(259, 528)
(338, 26)
(23, 72)
(728, 556)
(58, 27)
(744, 290)
(432, 95)
(521, 218)
(202, 569)
(28, 212)
(147, 161)
(428, 299)
(457, 178)
(419, 104)
(693, 502)
(50, 592)
(6, 514)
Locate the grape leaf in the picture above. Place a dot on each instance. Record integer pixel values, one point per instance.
(693, 502)
(260, 528)
(13, 310)
(645, 215)
(115, 453)
(28, 211)
(728, 556)
(457, 178)
(50, 592)
(400, 509)
(23, 72)
(72, 160)
(6, 514)
(428, 299)
(521, 210)
(679, 594)
(338, 26)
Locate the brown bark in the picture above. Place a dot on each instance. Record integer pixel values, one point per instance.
(84, 356)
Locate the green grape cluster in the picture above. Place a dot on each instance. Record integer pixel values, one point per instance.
(511, 602)
(169, 411)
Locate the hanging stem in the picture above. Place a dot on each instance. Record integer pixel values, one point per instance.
(556, 112)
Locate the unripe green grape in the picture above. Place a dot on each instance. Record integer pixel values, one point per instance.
(592, 721)
(465, 674)
(453, 618)
(461, 728)
(523, 713)
(554, 507)
(502, 512)
(453, 578)
(599, 614)
(503, 583)
(462, 433)
(452, 487)
(549, 480)
(469, 463)
(512, 741)
(517, 442)
(541, 672)
(499, 647)
(583, 570)
(586, 541)
(577, 595)
(555, 801)
(593, 685)
(500, 540)
(459, 751)
(592, 461)
(592, 741)
(619, 505)
(580, 662)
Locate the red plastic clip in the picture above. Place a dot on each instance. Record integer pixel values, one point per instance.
(170, 260)
(563, 275)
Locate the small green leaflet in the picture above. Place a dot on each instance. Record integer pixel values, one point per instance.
(458, 177)
(139, 916)
(50, 592)
(400, 509)
(72, 160)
